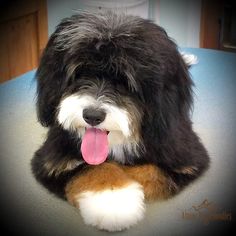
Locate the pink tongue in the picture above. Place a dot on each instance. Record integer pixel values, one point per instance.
(94, 147)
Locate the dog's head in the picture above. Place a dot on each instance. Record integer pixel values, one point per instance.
(114, 75)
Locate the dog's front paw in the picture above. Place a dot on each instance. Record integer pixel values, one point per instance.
(113, 209)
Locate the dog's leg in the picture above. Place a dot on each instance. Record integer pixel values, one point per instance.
(156, 184)
(107, 197)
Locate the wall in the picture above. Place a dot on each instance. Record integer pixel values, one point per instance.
(180, 18)
(59, 9)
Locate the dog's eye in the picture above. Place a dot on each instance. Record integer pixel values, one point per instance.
(136, 92)
(139, 94)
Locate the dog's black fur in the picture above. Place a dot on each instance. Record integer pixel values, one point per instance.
(137, 59)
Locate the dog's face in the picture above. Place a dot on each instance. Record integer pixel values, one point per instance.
(113, 78)
(102, 104)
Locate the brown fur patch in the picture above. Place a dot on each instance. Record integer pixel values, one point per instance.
(187, 170)
(56, 168)
(155, 183)
(135, 116)
(97, 178)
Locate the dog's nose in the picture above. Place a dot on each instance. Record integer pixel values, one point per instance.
(94, 116)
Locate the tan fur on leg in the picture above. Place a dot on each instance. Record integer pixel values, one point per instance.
(111, 175)
(155, 183)
(97, 178)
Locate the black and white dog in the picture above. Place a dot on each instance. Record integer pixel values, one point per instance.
(116, 95)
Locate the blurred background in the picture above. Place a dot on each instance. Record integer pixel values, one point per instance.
(26, 25)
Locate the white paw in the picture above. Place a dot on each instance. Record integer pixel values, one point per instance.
(113, 210)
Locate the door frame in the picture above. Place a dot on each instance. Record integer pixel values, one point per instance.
(20, 8)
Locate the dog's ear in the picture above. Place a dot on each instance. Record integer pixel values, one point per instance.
(49, 76)
(169, 95)
(176, 98)
(183, 84)
(52, 74)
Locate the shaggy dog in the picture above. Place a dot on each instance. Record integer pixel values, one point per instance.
(116, 95)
